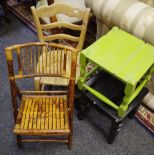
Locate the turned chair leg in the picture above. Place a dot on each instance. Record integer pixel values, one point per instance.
(5, 7)
(82, 107)
(70, 142)
(83, 110)
(115, 128)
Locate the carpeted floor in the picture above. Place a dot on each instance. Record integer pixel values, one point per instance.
(89, 135)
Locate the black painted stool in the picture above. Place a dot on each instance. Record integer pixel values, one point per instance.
(115, 93)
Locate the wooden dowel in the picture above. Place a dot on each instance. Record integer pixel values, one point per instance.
(58, 113)
(35, 61)
(35, 114)
(22, 60)
(42, 75)
(43, 114)
(31, 114)
(42, 55)
(61, 114)
(43, 92)
(19, 62)
(54, 61)
(38, 59)
(66, 114)
(61, 62)
(31, 61)
(54, 114)
(58, 61)
(44, 96)
(43, 132)
(27, 114)
(28, 61)
(65, 57)
(50, 114)
(47, 114)
(39, 113)
(46, 59)
(50, 66)
(44, 140)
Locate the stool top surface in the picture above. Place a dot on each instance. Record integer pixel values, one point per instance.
(122, 55)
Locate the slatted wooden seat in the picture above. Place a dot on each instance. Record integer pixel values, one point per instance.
(40, 113)
(62, 37)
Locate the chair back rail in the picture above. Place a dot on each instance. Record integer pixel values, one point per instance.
(61, 9)
(40, 59)
(58, 8)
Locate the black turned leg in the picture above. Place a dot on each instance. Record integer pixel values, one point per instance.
(133, 112)
(34, 2)
(18, 141)
(115, 128)
(82, 110)
(82, 106)
(4, 5)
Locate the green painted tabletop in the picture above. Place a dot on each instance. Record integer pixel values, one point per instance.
(121, 54)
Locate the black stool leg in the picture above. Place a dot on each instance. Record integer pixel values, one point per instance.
(115, 128)
(82, 107)
(19, 143)
(83, 110)
(34, 2)
(5, 7)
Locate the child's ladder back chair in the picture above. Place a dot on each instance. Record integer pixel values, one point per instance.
(62, 38)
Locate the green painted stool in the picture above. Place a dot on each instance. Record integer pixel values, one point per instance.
(125, 57)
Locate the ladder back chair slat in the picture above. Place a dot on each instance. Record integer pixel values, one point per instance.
(54, 9)
(61, 36)
(61, 24)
